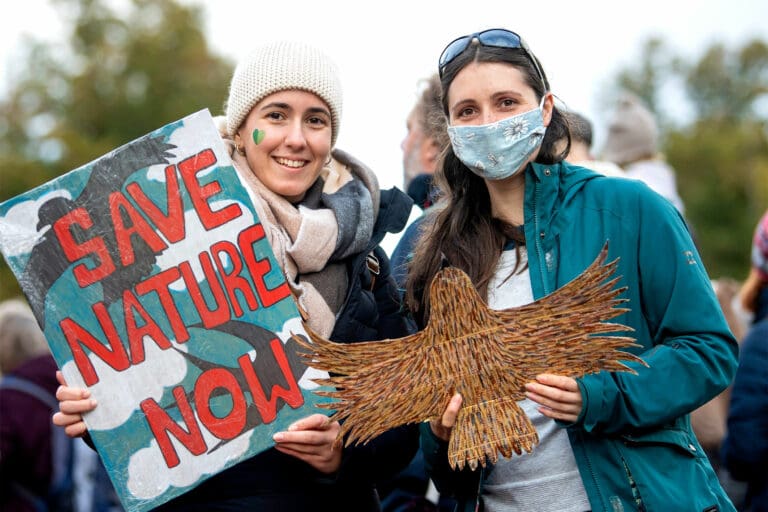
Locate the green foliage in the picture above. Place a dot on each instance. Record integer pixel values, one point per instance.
(721, 153)
(119, 75)
(722, 172)
(725, 84)
(654, 67)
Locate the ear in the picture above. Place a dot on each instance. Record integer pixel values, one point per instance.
(430, 152)
(548, 107)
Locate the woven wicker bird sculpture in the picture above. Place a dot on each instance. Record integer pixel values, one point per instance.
(486, 355)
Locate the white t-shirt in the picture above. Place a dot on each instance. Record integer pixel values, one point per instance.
(547, 479)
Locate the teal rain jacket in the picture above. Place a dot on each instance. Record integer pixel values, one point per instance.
(632, 428)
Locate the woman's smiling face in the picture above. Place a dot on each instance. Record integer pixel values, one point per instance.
(287, 140)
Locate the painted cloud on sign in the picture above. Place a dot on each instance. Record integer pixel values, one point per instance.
(145, 484)
(160, 369)
(18, 234)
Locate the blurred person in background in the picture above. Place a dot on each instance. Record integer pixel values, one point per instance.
(632, 143)
(21, 340)
(412, 490)
(423, 143)
(422, 148)
(745, 447)
(41, 469)
(581, 146)
(709, 422)
(25, 421)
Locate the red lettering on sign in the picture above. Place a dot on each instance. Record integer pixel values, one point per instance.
(268, 406)
(159, 284)
(92, 247)
(232, 424)
(220, 312)
(138, 226)
(133, 310)
(171, 225)
(77, 336)
(233, 280)
(258, 268)
(200, 194)
(163, 426)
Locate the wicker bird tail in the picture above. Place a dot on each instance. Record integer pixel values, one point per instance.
(485, 429)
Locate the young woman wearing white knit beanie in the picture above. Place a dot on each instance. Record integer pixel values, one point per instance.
(324, 216)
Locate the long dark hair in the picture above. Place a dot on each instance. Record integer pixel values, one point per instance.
(461, 229)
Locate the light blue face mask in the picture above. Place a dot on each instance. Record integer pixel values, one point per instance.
(498, 150)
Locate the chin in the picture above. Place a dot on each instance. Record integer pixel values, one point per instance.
(291, 193)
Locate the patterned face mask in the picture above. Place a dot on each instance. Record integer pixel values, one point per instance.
(498, 150)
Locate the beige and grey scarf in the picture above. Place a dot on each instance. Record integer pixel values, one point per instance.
(310, 239)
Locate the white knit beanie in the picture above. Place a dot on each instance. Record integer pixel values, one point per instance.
(280, 66)
(632, 132)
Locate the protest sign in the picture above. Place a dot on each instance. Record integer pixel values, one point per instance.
(151, 277)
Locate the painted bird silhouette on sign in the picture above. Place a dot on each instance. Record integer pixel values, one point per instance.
(109, 173)
(486, 355)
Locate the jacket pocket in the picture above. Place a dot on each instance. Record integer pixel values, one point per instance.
(668, 470)
(677, 440)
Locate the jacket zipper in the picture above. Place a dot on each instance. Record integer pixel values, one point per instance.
(580, 438)
(479, 489)
(539, 250)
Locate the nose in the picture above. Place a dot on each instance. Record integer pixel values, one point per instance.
(295, 138)
(489, 117)
(405, 142)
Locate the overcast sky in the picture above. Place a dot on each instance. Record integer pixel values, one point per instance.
(383, 48)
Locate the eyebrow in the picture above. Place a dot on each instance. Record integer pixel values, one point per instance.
(461, 103)
(286, 106)
(495, 96)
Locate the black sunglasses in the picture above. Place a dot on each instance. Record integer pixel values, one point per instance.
(494, 37)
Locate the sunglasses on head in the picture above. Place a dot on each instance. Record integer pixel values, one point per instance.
(494, 37)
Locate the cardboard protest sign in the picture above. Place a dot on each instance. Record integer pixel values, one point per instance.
(151, 276)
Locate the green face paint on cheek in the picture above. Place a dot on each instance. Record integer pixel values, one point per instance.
(258, 136)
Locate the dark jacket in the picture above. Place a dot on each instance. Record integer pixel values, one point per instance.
(25, 435)
(403, 252)
(274, 481)
(745, 448)
(375, 312)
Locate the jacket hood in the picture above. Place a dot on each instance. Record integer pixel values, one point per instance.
(361, 172)
(571, 178)
(550, 185)
(391, 208)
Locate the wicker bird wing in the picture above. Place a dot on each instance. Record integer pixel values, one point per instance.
(375, 384)
(347, 358)
(570, 325)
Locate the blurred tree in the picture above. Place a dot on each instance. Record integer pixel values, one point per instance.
(118, 76)
(726, 85)
(653, 70)
(721, 152)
